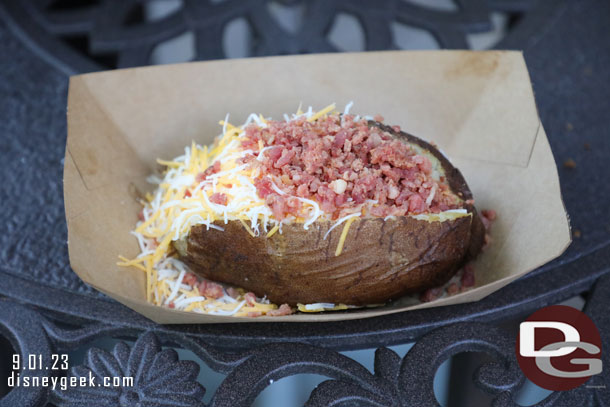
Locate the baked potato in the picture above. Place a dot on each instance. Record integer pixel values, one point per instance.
(382, 258)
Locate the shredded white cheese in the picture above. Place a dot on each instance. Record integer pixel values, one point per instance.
(183, 199)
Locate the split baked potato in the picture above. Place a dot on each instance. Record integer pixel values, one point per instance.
(382, 258)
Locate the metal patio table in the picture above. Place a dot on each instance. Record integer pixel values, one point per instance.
(45, 308)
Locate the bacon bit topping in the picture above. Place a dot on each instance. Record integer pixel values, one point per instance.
(281, 205)
(212, 169)
(210, 289)
(453, 289)
(141, 215)
(219, 198)
(490, 214)
(250, 299)
(187, 194)
(341, 163)
(284, 309)
(488, 217)
(190, 279)
(263, 187)
(171, 305)
(463, 280)
(468, 276)
(430, 294)
(232, 292)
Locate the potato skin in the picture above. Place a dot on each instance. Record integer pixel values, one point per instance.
(381, 260)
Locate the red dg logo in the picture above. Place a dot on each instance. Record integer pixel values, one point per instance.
(559, 348)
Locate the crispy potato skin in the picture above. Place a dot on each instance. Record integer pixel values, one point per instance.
(381, 260)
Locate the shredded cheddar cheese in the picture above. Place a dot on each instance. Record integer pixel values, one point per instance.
(272, 231)
(321, 113)
(343, 236)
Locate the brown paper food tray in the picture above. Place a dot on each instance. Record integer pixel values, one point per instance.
(477, 106)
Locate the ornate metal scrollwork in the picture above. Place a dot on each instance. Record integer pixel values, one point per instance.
(118, 34)
(161, 379)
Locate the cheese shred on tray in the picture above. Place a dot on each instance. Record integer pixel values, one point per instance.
(248, 175)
